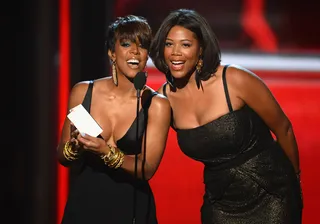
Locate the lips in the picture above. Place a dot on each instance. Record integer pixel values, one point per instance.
(177, 65)
(133, 63)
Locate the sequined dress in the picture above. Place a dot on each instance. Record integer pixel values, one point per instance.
(248, 178)
(101, 195)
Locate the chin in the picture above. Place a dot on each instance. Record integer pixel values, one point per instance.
(178, 74)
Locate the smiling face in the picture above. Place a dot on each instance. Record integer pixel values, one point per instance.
(130, 57)
(181, 51)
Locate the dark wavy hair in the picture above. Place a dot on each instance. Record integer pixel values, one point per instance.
(131, 28)
(196, 23)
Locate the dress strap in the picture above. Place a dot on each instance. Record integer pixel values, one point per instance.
(164, 92)
(164, 89)
(225, 86)
(86, 103)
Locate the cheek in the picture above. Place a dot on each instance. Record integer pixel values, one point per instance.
(144, 55)
(192, 57)
(166, 52)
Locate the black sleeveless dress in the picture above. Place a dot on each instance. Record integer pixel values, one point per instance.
(248, 178)
(102, 195)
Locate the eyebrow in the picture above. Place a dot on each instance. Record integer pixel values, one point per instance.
(180, 40)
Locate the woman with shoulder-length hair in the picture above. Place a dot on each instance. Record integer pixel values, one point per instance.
(223, 116)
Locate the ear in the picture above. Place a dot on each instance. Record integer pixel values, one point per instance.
(111, 55)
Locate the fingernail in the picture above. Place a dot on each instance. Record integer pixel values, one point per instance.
(82, 134)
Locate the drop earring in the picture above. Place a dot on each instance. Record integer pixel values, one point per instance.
(114, 73)
(199, 66)
(198, 71)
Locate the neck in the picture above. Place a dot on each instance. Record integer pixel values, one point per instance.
(187, 81)
(125, 87)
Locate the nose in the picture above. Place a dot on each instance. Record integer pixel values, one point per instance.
(135, 49)
(176, 50)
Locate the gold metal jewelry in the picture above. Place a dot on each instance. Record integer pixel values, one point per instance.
(114, 158)
(199, 66)
(69, 153)
(114, 73)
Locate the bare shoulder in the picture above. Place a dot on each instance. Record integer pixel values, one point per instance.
(78, 92)
(80, 88)
(159, 101)
(238, 76)
(160, 108)
(104, 84)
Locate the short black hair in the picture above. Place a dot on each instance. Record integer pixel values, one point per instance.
(196, 23)
(131, 28)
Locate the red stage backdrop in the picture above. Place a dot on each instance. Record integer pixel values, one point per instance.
(178, 184)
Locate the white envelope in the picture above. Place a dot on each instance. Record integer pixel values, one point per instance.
(83, 121)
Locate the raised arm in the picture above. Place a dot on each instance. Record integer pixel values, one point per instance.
(254, 92)
(76, 97)
(159, 115)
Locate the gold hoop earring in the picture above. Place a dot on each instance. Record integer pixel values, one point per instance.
(114, 73)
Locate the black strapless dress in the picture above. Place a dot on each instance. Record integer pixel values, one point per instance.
(101, 195)
(248, 178)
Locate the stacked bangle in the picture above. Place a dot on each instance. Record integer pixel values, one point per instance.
(114, 158)
(69, 153)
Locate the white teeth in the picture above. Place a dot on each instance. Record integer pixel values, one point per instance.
(177, 62)
(134, 61)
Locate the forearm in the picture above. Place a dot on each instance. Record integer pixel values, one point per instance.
(62, 158)
(114, 158)
(143, 171)
(288, 143)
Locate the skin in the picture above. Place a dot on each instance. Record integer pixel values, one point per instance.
(114, 109)
(193, 107)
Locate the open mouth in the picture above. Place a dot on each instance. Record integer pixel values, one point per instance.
(134, 63)
(177, 65)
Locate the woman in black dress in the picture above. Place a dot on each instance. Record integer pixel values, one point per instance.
(224, 116)
(106, 186)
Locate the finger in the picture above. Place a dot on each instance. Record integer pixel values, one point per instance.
(75, 134)
(88, 137)
(85, 142)
(75, 143)
(72, 127)
(89, 145)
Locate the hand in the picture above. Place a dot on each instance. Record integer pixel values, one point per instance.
(74, 132)
(93, 144)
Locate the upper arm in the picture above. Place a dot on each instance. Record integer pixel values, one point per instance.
(76, 96)
(157, 131)
(255, 93)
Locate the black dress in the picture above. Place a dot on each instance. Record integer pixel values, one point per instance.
(102, 195)
(248, 178)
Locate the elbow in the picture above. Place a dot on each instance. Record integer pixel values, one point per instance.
(61, 160)
(284, 130)
(148, 174)
(288, 128)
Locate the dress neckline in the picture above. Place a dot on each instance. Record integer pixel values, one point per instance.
(212, 121)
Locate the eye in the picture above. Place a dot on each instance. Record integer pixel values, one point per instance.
(186, 45)
(168, 44)
(125, 44)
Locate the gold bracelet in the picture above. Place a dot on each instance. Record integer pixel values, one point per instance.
(114, 158)
(69, 153)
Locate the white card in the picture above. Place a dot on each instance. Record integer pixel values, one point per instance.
(83, 121)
